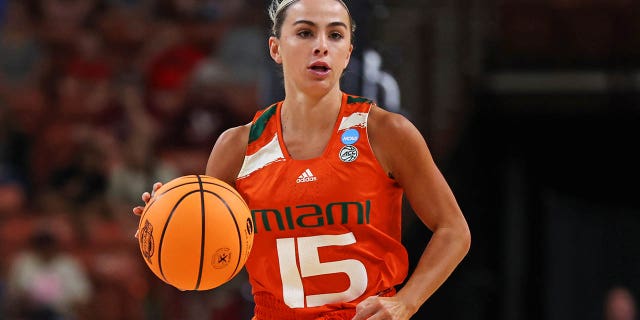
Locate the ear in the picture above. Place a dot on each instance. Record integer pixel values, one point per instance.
(274, 49)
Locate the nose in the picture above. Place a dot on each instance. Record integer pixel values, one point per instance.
(321, 47)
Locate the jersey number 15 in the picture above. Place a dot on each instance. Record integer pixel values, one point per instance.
(310, 265)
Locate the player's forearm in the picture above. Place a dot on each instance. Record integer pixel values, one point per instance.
(443, 253)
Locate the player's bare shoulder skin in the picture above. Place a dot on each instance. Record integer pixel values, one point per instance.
(227, 155)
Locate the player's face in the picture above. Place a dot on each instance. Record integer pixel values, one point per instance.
(314, 46)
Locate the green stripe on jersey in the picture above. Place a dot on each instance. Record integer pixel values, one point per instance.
(353, 99)
(257, 128)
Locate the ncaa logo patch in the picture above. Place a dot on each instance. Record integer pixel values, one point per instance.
(350, 136)
(348, 153)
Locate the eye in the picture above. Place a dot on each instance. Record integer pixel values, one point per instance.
(304, 33)
(336, 35)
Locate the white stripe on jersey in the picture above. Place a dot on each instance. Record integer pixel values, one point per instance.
(267, 155)
(356, 119)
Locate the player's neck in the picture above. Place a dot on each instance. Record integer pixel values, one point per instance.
(305, 112)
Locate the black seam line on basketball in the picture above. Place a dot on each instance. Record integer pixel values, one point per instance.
(153, 199)
(177, 186)
(202, 237)
(235, 192)
(164, 230)
(237, 230)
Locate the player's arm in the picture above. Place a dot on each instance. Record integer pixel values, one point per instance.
(403, 152)
(227, 155)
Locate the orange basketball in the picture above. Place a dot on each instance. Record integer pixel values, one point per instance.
(196, 233)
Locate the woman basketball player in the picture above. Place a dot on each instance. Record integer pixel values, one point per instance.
(324, 173)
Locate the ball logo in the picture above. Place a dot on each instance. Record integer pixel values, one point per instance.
(146, 240)
(350, 136)
(249, 226)
(221, 258)
(348, 153)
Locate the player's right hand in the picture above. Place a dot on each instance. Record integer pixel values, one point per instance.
(146, 196)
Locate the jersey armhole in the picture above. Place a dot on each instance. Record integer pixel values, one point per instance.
(379, 166)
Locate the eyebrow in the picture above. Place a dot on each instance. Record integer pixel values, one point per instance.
(332, 24)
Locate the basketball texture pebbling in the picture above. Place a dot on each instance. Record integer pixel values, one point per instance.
(196, 233)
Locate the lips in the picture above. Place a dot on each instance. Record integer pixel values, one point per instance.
(319, 68)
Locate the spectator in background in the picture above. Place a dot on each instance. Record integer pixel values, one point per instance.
(126, 27)
(14, 226)
(83, 90)
(21, 57)
(83, 181)
(620, 304)
(167, 84)
(210, 106)
(133, 168)
(14, 149)
(241, 51)
(12, 198)
(45, 283)
(61, 21)
(22, 62)
(133, 172)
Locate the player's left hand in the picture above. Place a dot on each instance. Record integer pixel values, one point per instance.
(382, 308)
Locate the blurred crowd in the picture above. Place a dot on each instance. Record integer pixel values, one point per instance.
(99, 99)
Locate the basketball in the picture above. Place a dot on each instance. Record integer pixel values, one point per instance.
(195, 233)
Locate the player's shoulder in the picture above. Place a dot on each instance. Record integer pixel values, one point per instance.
(391, 134)
(227, 154)
(235, 136)
(388, 122)
(394, 139)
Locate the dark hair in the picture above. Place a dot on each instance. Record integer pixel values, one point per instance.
(278, 13)
(43, 239)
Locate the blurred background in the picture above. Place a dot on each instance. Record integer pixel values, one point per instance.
(530, 107)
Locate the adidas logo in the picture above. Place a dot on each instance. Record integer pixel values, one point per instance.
(306, 176)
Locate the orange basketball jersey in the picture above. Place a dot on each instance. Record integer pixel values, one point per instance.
(327, 229)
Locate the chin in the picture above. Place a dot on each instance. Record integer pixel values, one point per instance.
(319, 88)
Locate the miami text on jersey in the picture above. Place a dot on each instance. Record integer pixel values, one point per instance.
(311, 215)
